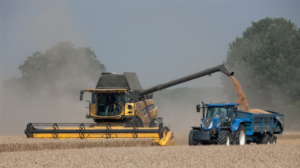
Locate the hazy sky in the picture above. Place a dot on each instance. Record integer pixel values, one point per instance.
(159, 40)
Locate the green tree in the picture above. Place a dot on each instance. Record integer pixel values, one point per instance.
(266, 61)
(62, 68)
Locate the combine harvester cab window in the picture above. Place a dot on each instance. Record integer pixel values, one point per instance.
(109, 104)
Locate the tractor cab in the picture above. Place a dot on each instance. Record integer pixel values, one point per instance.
(217, 115)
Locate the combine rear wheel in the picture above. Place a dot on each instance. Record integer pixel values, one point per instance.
(240, 136)
(224, 138)
(191, 141)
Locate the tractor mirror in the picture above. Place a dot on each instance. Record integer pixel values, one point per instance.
(198, 108)
(81, 95)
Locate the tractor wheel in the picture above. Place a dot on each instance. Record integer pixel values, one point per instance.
(273, 139)
(264, 139)
(224, 138)
(240, 136)
(191, 141)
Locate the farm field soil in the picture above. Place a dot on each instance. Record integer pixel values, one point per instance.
(285, 154)
(22, 143)
(174, 156)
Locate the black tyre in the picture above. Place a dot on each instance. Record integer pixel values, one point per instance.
(134, 122)
(273, 139)
(152, 124)
(138, 122)
(264, 139)
(223, 138)
(240, 136)
(191, 141)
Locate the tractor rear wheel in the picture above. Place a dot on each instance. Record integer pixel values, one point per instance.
(240, 135)
(264, 139)
(191, 141)
(224, 138)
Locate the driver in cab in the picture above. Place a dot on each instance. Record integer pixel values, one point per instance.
(110, 103)
(221, 113)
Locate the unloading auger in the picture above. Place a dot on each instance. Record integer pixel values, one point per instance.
(121, 109)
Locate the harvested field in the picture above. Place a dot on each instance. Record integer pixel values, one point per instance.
(174, 156)
(285, 154)
(22, 143)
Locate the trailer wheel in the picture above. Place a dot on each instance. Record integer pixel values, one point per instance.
(240, 135)
(264, 139)
(224, 138)
(191, 141)
(273, 139)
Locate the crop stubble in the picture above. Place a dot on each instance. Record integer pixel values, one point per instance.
(21, 143)
(174, 156)
(285, 154)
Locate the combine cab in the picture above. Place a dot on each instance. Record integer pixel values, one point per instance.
(121, 109)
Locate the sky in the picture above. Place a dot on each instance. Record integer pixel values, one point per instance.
(159, 40)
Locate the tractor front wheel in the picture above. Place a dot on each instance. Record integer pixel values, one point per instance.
(191, 141)
(224, 138)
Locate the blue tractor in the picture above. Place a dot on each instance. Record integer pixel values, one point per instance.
(224, 124)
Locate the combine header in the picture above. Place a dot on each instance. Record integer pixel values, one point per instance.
(121, 109)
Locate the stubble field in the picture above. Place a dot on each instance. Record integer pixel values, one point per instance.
(285, 154)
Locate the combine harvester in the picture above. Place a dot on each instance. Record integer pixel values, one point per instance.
(225, 125)
(121, 109)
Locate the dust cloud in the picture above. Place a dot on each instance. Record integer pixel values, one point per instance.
(53, 98)
(18, 108)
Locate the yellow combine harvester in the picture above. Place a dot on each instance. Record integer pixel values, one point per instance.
(121, 109)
